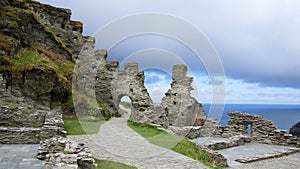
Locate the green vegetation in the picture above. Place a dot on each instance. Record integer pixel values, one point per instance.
(28, 59)
(26, 112)
(178, 144)
(107, 114)
(111, 165)
(73, 126)
(126, 104)
(12, 107)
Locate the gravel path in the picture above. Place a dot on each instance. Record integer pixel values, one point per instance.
(117, 142)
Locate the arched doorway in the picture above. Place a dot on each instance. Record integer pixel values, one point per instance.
(124, 108)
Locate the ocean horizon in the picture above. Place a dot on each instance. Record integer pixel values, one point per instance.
(284, 116)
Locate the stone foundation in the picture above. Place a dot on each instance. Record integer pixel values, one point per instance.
(23, 126)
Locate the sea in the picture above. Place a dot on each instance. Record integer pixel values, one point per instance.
(284, 116)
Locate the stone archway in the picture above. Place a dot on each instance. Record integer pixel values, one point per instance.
(124, 107)
(113, 84)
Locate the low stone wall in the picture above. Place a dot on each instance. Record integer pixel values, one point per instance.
(217, 158)
(22, 126)
(257, 128)
(232, 142)
(59, 151)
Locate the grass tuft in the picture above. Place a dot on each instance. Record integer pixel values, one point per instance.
(111, 165)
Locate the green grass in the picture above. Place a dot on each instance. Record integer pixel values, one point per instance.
(12, 107)
(73, 126)
(28, 59)
(107, 114)
(126, 104)
(178, 144)
(112, 165)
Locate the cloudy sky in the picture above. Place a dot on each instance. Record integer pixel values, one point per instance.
(257, 41)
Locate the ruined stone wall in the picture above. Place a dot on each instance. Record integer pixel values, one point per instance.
(112, 84)
(179, 108)
(258, 128)
(24, 126)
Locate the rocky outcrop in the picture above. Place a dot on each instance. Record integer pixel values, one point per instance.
(295, 129)
(23, 29)
(38, 88)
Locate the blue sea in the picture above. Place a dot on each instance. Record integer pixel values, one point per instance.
(283, 116)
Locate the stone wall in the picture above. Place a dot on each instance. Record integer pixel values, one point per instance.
(24, 126)
(258, 128)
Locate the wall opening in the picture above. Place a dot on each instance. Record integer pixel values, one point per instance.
(157, 83)
(125, 107)
(249, 129)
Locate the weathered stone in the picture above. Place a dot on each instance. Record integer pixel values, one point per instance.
(217, 158)
(39, 88)
(21, 126)
(187, 131)
(179, 108)
(51, 151)
(257, 128)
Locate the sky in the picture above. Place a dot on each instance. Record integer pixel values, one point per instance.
(256, 41)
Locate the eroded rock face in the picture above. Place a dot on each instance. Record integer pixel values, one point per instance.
(295, 129)
(38, 88)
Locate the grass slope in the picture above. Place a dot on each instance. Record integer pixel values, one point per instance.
(178, 144)
(73, 126)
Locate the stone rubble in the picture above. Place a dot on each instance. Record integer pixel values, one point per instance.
(60, 151)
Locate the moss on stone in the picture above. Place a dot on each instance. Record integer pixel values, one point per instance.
(28, 59)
